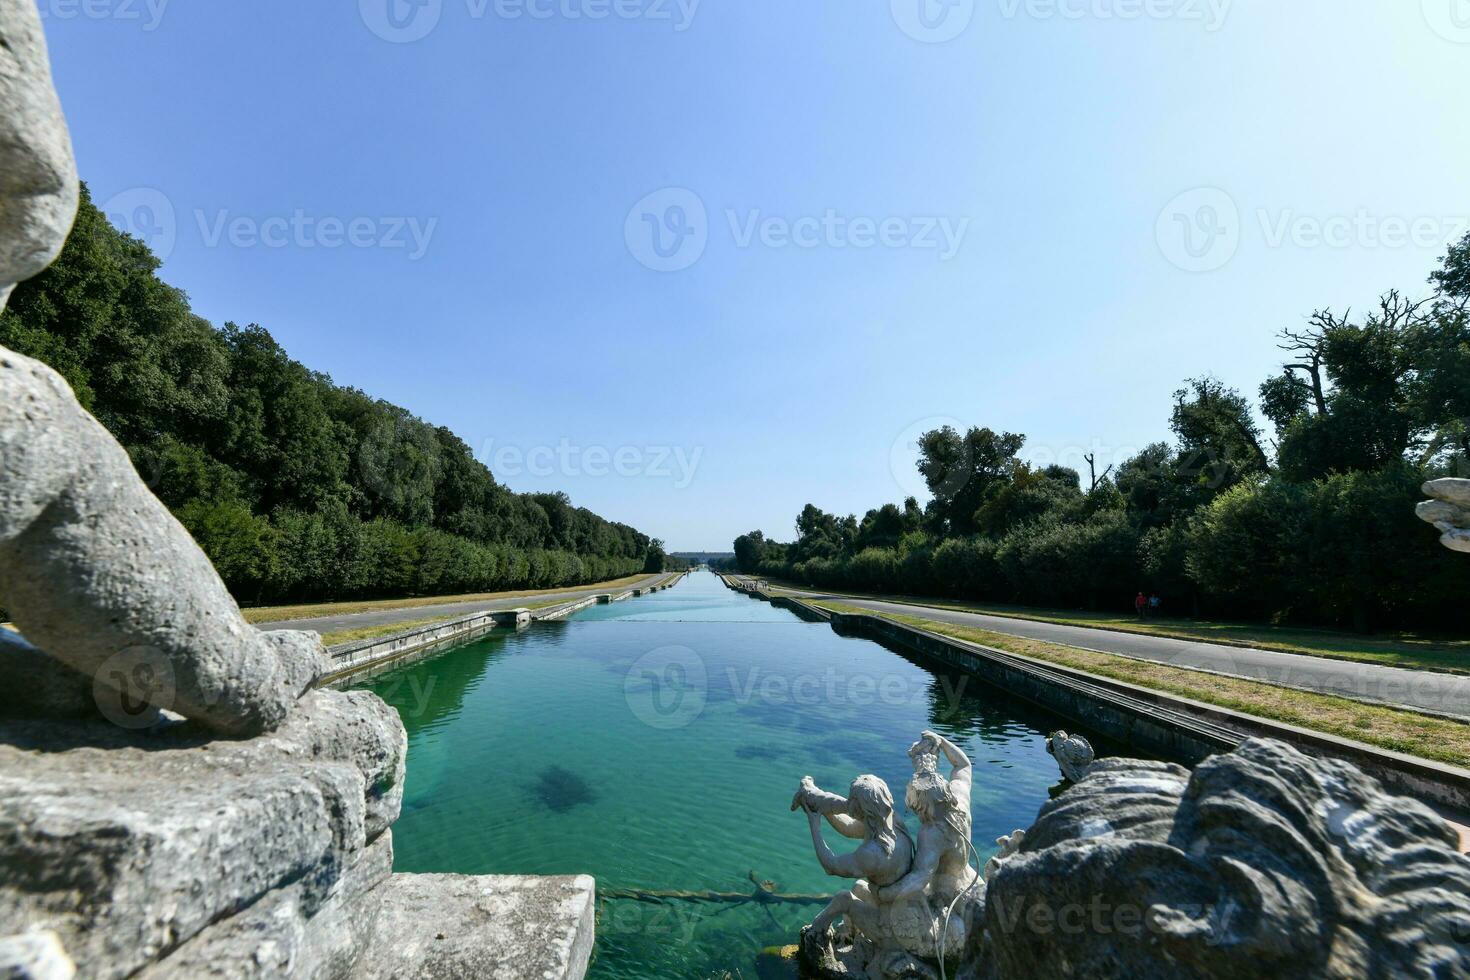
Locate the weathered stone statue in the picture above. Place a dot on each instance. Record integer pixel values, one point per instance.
(122, 850)
(931, 907)
(38, 177)
(252, 839)
(916, 901)
(886, 854)
(1449, 511)
(93, 568)
(1072, 752)
(1261, 863)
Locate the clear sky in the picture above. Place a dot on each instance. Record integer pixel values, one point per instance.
(1037, 215)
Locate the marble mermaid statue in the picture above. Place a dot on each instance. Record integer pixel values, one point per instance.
(915, 899)
(885, 856)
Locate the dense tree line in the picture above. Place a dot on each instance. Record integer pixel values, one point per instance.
(1311, 523)
(296, 487)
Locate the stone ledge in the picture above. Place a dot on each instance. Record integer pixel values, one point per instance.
(128, 844)
(468, 927)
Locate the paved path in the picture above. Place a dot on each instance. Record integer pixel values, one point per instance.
(1443, 693)
(444, 610)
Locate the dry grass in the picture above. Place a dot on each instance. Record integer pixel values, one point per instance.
(338, 637)
(280, 614)
(1400, 731)
(1402, 649)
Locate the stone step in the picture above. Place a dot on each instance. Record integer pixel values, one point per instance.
(432, 926)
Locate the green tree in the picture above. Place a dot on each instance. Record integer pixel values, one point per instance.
(1219, 442)
(964, 472)
(1452, 279)
(297, 487)
(243, 547)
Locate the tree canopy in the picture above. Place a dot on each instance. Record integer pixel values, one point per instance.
(1315, 524)
(296, 487)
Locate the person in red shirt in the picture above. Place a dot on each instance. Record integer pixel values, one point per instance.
(1140, 605)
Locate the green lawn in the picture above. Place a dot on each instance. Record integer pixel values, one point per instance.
(1439, 653)
(1437, 739)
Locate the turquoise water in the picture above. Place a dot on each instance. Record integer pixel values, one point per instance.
(656, 744)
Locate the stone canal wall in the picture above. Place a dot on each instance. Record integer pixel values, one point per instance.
(1148, 721)
(351, 662)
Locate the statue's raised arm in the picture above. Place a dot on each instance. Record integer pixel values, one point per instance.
(813, 799)
(961, 774)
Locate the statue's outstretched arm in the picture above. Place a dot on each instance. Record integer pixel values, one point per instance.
(847, 826)
(831, 806)
(838, 865)
(961, 772)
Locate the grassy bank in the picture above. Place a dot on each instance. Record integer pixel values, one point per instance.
(280, 614)
(1403, 649)
(1400, 731)
(337, 637)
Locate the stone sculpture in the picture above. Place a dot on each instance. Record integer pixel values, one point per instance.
(930, 908)
(93, 568)
(38, 177)
(127, 850)
(1072, 752)
(915, 902)
(1004, 848)
(250, 839)
(1262, 862)
(1449, 510)
(885, 856)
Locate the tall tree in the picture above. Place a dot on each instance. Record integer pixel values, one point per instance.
(963, 472)
(1219, 443)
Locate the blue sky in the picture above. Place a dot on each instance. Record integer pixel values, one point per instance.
(1037, 215)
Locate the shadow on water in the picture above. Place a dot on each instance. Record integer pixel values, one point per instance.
(560, 790)
(766, 753)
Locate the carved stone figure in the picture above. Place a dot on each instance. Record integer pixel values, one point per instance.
(1262, 862)
(130, 850)
(1449, 511)
(93, 568)
(916, 902)
(123, 849)
(1006, 847)
(1072, 752)
(885, 856)
(930, 908)
(38, 177)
